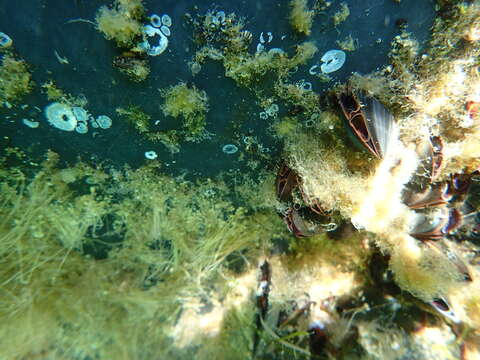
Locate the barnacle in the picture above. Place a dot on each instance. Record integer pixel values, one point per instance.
(332, 60)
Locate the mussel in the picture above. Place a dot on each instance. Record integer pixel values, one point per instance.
(369, 120)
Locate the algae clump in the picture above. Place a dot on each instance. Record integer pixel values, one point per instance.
(141, 121)
(135, 68)
(91, 266)
(121, 22)
(341, 15)
(301, 18)
(15, 80)
(348, 44)
(136, 117)
(190, 104)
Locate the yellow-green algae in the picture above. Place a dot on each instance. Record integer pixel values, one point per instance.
(190, 104)
(121, 21)
(427, 92)
(348, 43)
(187, 103)
(136, 117)
(15, 79)
(249, 70)
(135, 69)
(55, 93)
(174, 253)
(301, 17)
(169, 243)
(141, 121)
(175, 237)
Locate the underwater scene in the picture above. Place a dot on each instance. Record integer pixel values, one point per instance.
(290, 179)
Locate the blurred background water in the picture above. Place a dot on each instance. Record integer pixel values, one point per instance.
(40, 28)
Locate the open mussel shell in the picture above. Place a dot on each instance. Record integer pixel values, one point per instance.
(298, 226)
(318, 338)
(313, 203)
(436, 225)
(475, 228)
(442, 306)
(430, 226)
(263, 289)
(435, 195)
(454, 190)
(437, 155)
(371, 123)
(470, 226)
(459, 186)
(304, 222)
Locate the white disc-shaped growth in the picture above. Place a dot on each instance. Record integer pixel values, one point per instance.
(61, 116)
(166, 20)
(104, 121)
(5, 40)
(165, 30)
(155, 20)
(332, 61)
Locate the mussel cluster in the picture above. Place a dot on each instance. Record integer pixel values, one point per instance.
(439, 209)
(439, 212)
(442, 212)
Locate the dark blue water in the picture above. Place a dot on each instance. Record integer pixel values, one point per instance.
(39, 27)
